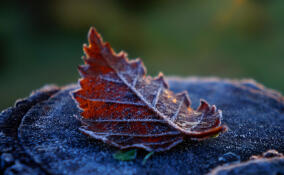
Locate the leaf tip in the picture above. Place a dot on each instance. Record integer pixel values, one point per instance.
(92, 32)
(160, 78)
(204, 106)
(94, 38)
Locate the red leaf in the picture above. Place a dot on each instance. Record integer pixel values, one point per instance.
(125, 108)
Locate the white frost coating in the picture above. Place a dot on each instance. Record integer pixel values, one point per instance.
(127, 120)
(155, 100)
(150, 105)
(139, 145)
(174, 117)
(135, 80)
(110, 79)
(136, 135)
(112, 101)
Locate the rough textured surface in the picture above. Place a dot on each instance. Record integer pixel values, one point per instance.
(48, 136)
(261, 166)
(14, 159)
(271, 162)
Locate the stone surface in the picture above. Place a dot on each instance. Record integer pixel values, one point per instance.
(229, 157)
(273, 166)
(10, 120)
(271, 162)
(47, 135)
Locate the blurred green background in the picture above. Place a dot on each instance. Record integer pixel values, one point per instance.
(41, 41)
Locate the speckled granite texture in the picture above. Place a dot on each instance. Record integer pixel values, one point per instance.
(39, 135)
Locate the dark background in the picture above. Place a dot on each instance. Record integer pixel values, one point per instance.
(41, 41)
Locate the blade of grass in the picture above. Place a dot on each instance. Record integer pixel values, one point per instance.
(147, 157)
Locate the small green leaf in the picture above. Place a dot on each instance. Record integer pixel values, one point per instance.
(216, 135)
(125, 155)
(147, 157)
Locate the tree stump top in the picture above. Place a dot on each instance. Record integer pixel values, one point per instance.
(41, 134)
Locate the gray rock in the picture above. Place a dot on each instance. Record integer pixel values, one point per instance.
(229, 157)
(272, 153)
(49, 134)
(271, 162)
